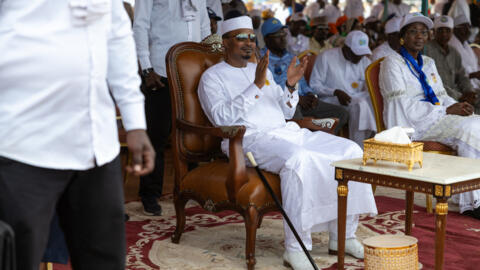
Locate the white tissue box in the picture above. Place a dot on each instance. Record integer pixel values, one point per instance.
(408, 154)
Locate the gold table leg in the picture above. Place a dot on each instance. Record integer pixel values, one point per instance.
(441, 211)
(342, 191)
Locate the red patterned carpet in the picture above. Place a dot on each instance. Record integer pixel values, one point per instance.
(216, 241)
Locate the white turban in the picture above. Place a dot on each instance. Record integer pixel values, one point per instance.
(242, 22)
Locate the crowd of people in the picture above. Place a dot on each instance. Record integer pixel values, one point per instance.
(59, 164)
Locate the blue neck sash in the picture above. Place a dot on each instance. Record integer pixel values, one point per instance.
(421, 77)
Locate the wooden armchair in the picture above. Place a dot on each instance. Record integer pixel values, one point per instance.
(371, 76)
(217, 183)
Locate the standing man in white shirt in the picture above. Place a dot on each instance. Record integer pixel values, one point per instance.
(157, 26)
(338, 77)
(313, 9)
(58, 142)
(354, 9)
(331, 11)
(396, 7)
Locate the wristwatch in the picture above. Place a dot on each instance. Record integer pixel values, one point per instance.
(147, 71)
(289, 86)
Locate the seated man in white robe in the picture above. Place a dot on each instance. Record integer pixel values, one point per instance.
(392, 45)
(414, 96)
(338, 77)
(237, 92)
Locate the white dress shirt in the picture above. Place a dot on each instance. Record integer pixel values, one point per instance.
(56, 110)
(312, 10)
(354, 9)
(382, 51)
(160, 24)
(399, 10)
(331, 12)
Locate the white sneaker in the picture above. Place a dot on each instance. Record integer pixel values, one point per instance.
(352, 247)
(296, 260)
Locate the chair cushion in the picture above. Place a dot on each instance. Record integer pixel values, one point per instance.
(209, 182)
(436, 146)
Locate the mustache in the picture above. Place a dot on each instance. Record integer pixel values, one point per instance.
(247, 47)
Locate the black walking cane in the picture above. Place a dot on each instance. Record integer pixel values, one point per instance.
(279, 205)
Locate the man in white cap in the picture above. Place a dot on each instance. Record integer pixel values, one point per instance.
(392, 45)
(297, 42)
(256, 16)
(237, 92)
(313, 9)
(338, 77)
(157, 26)
(449, 63)
(459, 41)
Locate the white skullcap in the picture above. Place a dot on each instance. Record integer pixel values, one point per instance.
(357, 41)
(443, 21)
(299, 16)
(393, 25)
(461, 19)
(242, 22)
(416, 17)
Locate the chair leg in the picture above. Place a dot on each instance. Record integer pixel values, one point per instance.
(251, 223)
(180, 212)
(429, 206)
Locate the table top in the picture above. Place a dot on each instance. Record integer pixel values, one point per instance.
(437, 168)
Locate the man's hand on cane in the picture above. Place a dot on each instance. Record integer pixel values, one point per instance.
(143, 155)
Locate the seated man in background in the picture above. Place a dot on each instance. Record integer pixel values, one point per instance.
(319, 42)
(459, 41)
(297, 42)
(449, 63)
(237, 92)
(338, 77)
(392, 45)
(309, 104)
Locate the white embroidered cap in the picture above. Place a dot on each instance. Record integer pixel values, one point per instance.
(393, 25)
(242, 22)
(443, 21)
(461, 19)
(416, 17)
(358, 42)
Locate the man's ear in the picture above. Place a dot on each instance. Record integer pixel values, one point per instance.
(225, 43)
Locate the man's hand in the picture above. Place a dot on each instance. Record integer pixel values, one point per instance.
(343, 97)
(261, 72)
(295, 72)
(308, 101)
(153, 81)
(462, 109)
(143, 155)
(469, 97)
(475, 74)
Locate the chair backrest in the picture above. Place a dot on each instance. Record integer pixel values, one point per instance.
(371, 77)
(186, 62)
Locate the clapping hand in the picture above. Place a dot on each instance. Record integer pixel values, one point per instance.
(295, 72)
(261, 72)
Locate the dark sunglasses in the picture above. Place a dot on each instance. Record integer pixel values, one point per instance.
(242, 37)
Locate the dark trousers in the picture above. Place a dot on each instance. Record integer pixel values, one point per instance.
(89, 205)
(158, 112)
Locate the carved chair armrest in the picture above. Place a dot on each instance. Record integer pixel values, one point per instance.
(237, 171)
(324, 124)
(227, 132)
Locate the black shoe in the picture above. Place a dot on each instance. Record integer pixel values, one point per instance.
(151, 207)
(468, 213)
(127, 217)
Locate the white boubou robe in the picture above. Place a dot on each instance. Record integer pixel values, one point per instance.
(332, 71)
(402, 94)
(382, 51)
(469, 58)
(302, 158)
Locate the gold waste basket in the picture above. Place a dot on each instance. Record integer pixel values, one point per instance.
(391, 252)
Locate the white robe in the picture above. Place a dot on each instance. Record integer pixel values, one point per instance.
(331, 12)
(298, 44)
(354, 9)
(402, 94)
(382, 51)
(399, 10)
(469, 59)
(332, 71)
(302, 158)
